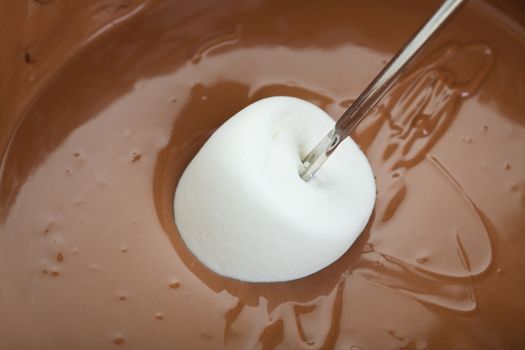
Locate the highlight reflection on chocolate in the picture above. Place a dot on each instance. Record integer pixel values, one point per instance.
(104, 104)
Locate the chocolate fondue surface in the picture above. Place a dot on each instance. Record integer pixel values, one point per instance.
(104, 103)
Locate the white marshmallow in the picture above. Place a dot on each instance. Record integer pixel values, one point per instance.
(243, 210)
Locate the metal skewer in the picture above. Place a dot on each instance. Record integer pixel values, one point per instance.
(375, 90)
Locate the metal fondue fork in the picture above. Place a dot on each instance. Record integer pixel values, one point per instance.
(375, 90)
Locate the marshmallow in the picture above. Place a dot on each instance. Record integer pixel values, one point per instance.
(243, 210)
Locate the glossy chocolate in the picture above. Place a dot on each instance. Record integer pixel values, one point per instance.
(104, 103)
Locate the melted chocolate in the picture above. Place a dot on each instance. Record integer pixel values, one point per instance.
(104, 104)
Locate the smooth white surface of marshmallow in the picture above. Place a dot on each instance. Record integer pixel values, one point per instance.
(243, 210)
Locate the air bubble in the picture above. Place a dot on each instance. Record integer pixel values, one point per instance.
(422, 260)
(135, 157)
(28, 57)
(174, 285)
(119, 341)
(48, 227)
